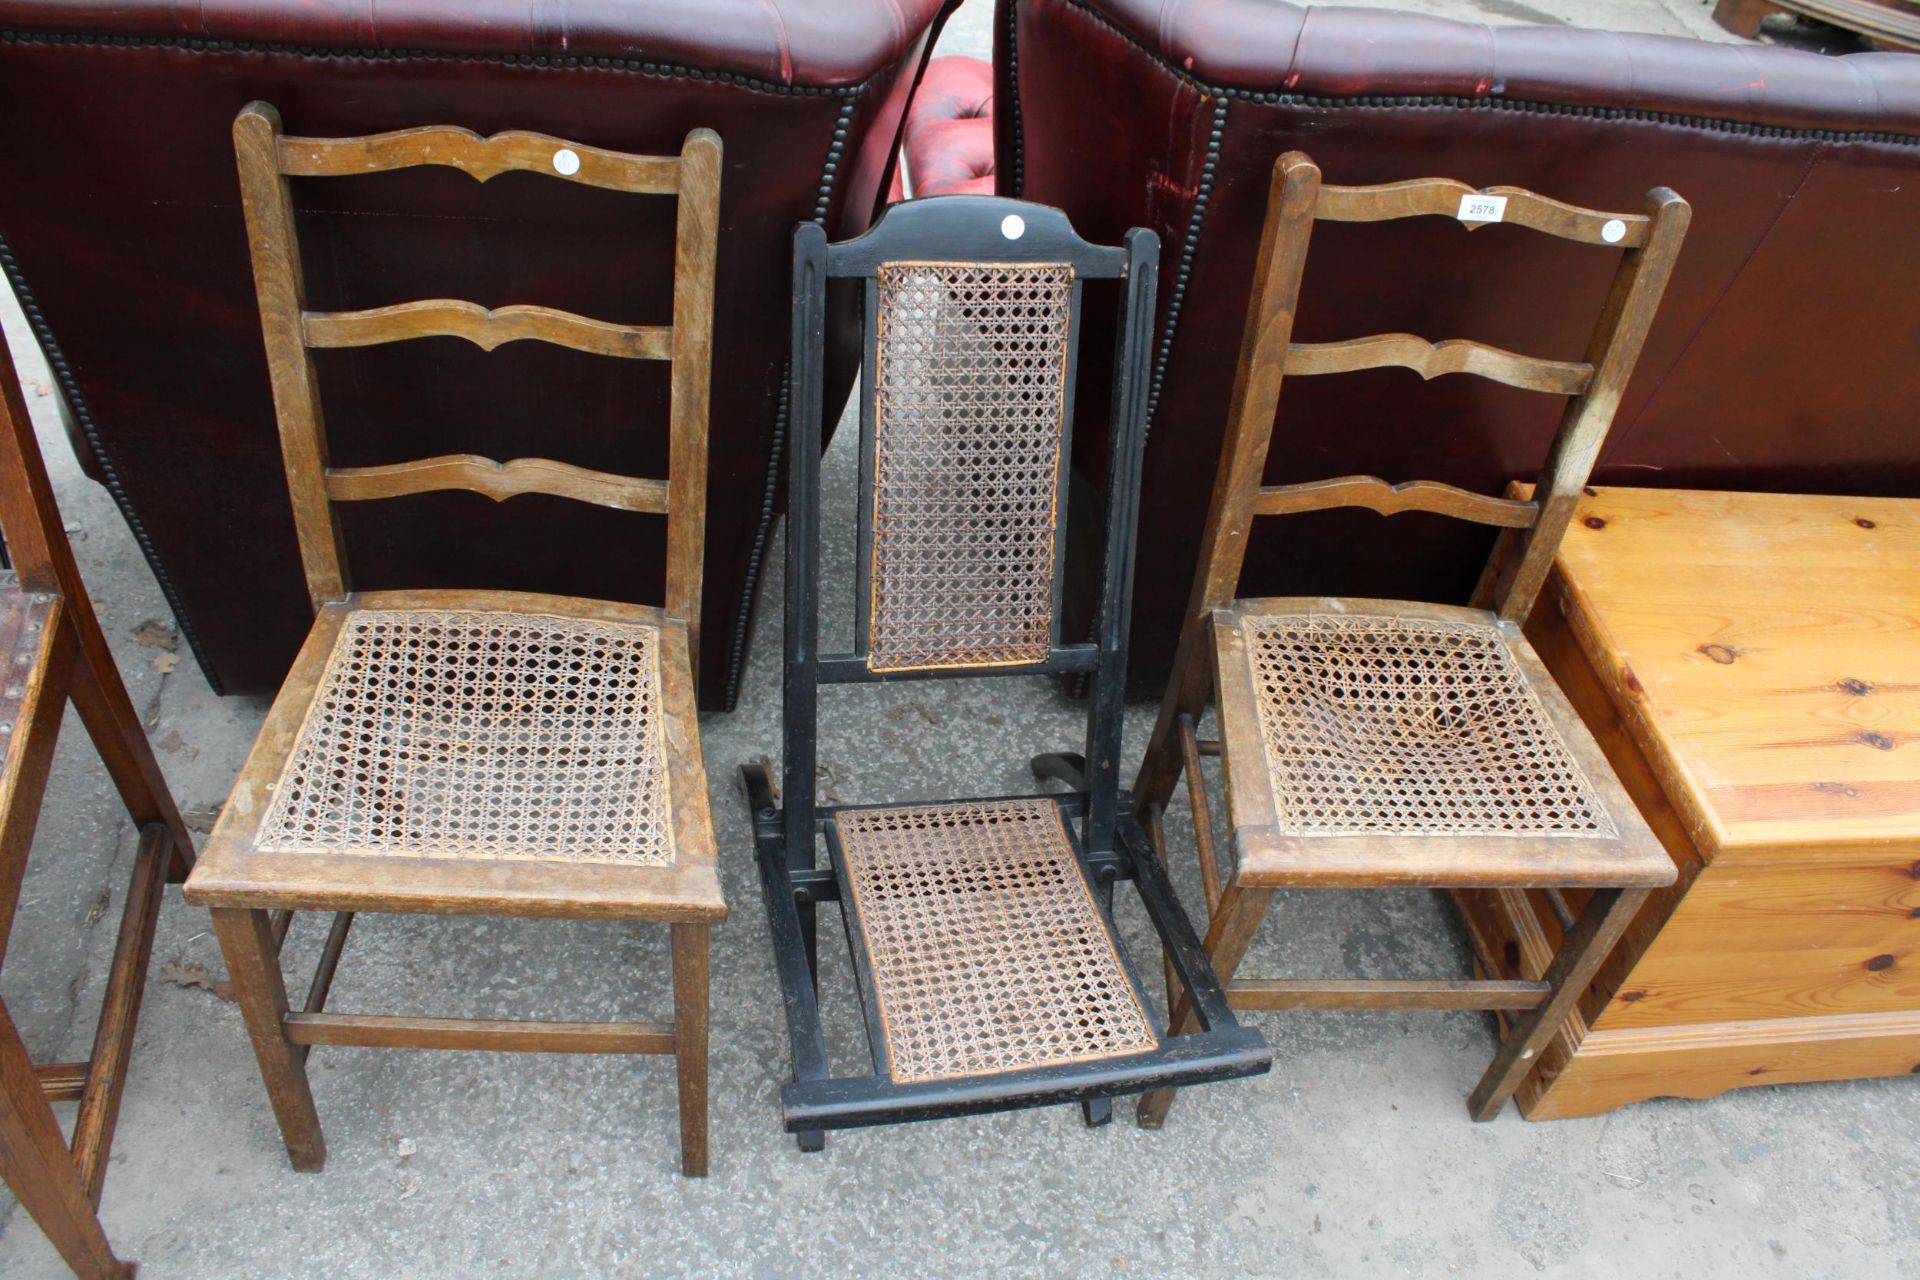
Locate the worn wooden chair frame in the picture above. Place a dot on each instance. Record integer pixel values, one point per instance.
(1532, 530)
(54, 650)
(1107, 844)
(254, 897)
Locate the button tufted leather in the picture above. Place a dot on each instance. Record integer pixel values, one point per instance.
(950, 129)
(1782, 358)
(130, 240)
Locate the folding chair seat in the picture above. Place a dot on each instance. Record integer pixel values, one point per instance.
(981, 930)
(472, 752)
(1374, 743)
(983, 945)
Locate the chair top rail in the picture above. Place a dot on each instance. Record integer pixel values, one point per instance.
(480, 158)
(974, 229)
(1449, 198)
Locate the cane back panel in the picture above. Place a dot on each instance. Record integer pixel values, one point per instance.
(971, 367)
(986, 950)
(1409, 726)
(470, 734)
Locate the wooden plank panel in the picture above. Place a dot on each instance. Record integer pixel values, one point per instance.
(1755, 646)
(1703, 1061)
(1801, 941)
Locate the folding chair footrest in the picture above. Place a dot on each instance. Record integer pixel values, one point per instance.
(854, 1102)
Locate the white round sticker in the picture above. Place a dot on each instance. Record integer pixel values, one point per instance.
(566, 162)
(1614, 232)
(1013, 226)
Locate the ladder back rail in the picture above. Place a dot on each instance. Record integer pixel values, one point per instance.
(1435, 359)
(480, 158)
(1387, 499)
(267, 158)
(499, 481)
(486, 328)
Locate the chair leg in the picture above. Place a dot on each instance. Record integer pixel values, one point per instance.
(1095, 1112)
(1581, 954)
(101, 699)
(690, 1003)
(253, 965)
(1229, 934)
(39, 1169)
(1188, 687)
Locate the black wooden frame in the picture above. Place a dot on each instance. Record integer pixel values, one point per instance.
(1108, 844)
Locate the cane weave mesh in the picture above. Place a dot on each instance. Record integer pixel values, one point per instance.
(1409, 727)
(970, 380)
(985, 948)
(480, 735)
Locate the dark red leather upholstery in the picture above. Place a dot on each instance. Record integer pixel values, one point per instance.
(128, 238)
(1784, 357)
(949, 148)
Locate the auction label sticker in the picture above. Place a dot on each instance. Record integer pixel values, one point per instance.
(1478, 208)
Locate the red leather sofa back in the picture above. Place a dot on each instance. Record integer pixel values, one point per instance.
(122, 229)
(1786, 356)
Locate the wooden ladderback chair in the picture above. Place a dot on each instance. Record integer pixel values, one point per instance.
(1369, 743)
(52, 650)
(983, 945)
(464, 751)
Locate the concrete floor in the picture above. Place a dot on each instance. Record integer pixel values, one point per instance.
(1354, 1157)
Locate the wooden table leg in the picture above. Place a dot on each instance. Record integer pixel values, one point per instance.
(40, 1171)
(690, 952)
(1229, 934)
(253, 965)
(1585, 948)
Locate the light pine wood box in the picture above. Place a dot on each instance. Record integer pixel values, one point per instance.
(1751, 665)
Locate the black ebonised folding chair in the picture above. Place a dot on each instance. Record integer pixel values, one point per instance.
(981, 930)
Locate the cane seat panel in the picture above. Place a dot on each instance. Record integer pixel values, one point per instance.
(984, 945)
(1409, 726)
(970, 380)
(480, 734)
(1372, 742)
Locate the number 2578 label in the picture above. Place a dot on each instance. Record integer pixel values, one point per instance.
(1478, 208)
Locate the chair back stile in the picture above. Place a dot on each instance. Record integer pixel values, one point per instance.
(267, 158)
(1532, 529)
(971, 320)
